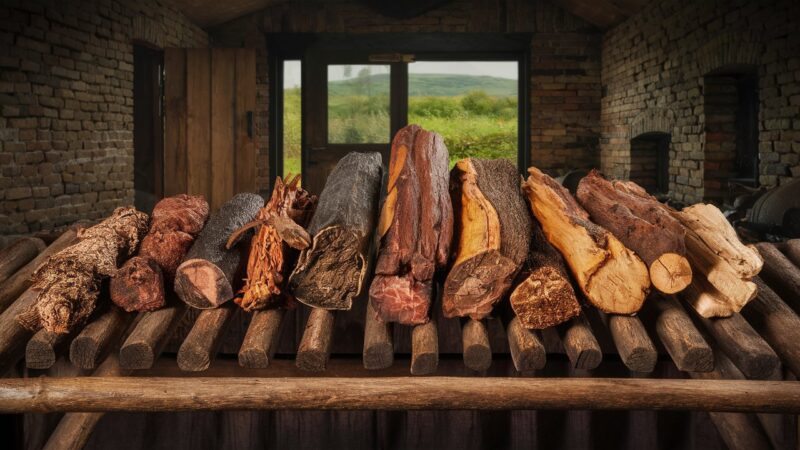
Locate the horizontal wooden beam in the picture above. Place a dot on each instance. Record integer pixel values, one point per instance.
(493, 393)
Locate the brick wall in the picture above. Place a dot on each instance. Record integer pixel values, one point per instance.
(653, 74)
(66, 99)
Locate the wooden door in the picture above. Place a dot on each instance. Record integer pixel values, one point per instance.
(209, 146)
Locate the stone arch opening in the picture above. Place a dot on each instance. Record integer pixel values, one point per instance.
(650, 162)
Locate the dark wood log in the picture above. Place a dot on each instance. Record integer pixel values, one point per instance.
(580, 344)
(174, 223)
(424, 349)
(19, 253)
(207, 276)
(777, 323)
(684, 343)
(69, 281)
(315, 346)
(642, 224)
(96, 338)
(43, 349)
(13, 336)
(792, 250)
(610, 275)
(148, 339)
(527, 349)
(493, 230)
(781, 274)
(261, 340)
(633, 344)
(475, 344)
(201, 344)
(378, 348)
(15, 285)
(544, 296)
(415, 227)
(330, 273)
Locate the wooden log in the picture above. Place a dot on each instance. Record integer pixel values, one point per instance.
(611, 276)
(643, 225)
(424, 349)
(149, 394)
(633, 344)
(792, 250)
(331, 272)
(96, 337)
(13, 336)
(15, 285)
(527, 349)
(493, 230)
(581, 345)
(201, 344)
(781, 274)
(43, 349)
(736, 291)
(207, 276)
(706, 300)
(174, 223)
(544, 296)
(777, 323)
(69, 281)
(415, 227)
(475, 345)
(684, 343)
(378, 349)
(315, 346)
(261, 340)
(19, 253)
(148, 339)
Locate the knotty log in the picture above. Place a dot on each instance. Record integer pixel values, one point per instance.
(685, 345)
(475, 345)
(777, 323)
(544, 297)
(15, 285)
(639, 221)
(69, 282)
(261, 340)
(415, 227)
(19, 253)
(96, 338)
(148, 339)
(42, 350)
(315, 346)
(272, 248)
(140, 283)
(201, 344)
(424, 349)
(378, 348)
(331, 272)
(611, 276)
(780, 273)
(493, 229)
(206, 277)
(633, 344)
(527, 350)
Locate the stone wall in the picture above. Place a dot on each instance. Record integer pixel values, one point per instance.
(66, 93)
(653, 70)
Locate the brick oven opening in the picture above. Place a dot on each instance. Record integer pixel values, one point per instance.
(731, 133)
(650, 162)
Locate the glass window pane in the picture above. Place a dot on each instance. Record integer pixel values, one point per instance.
(292, 127)
(358, 104)
(473, 104)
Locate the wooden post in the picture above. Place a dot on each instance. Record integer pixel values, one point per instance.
(633, 344)
(527, 349)
(261, 340)
(777, 323)
(43, 349)
(201, 344)
(475, 343)
(378, 349)
(315, 347)
(19, 253)
(91, 343)
(685, 345)
(424, 349)
(150, 336)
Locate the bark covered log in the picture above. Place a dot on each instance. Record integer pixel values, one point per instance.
(206, 277)
(643, 225)
(69, 282)
(493, 228)
(611, 276)
(271, 248)
(415, 227)
(331, 272)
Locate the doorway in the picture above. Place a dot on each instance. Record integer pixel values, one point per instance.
(148, 126)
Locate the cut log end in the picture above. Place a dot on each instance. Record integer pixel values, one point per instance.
(475, 285)
(424, 349)
(544, 299)
(136, 356)
(253, 358)
(379, 356)
(138, 285)
(39, 354)
(698, 359)
(83, 352)
(202, 285)
(609, 291)
(193, 358)
(670, 273)
(312, 360)
(477, 349)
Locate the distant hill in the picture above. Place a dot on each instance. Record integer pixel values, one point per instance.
(433, 85)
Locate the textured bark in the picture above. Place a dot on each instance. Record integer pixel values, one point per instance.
(330, 273)
(493, 227)
(208, 272)
(69, 282)
(416, 227)
(544, 297)
(639, 221)
(139, 285)
(610, 275)
(272, 251)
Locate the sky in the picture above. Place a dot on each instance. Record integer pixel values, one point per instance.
(500, 69)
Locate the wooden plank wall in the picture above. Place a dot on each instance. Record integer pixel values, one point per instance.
(209, 147)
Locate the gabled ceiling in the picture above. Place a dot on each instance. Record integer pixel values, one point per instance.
(603, 13)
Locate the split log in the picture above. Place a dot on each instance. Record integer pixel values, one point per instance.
(330, 273)
(706, 300)
(686, 346)
(424, 349)
(777, 323)
(527, 350)
(781, 274)
(148, 339)
(733, 289)
(206, 277)
(639, 221)
(378, 348)
(69, 282)
(96, 338)
(15, 285)
(545, 297)
(43, 349)
(315, 346)
(493, 228)
(415, 227)
(475, 345)
(201, 344)
(140, 283)
(273, 247)
(19, 253)
(261, 339)
(611, 276)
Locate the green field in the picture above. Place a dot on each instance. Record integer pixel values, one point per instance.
(476, 115)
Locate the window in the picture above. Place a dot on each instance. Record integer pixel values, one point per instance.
(358, 104)
(292, 124)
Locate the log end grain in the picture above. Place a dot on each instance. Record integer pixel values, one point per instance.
(379, 356)
(544, 299)
(138, 285)
(312, 360)
(527, 349)
(696, 359)
(84, 352)
(136, 356)
(41, 351)
(424, 349)
(474, 286)
(476, 347)
(670, 273)
(315, 346)
(193, 358)
(580, 344)
(202, 285)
